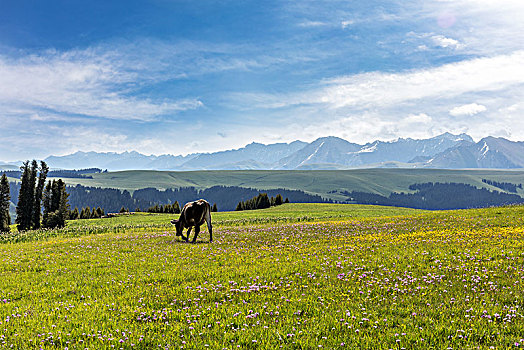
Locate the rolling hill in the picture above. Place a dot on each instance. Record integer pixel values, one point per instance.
(326, 183)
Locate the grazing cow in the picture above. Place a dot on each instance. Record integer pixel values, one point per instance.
(194, 214)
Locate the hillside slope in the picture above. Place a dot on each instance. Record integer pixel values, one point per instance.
(326, 183)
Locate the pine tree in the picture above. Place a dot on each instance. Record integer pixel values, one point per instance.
(176, 209)
(214, 209)
(24, 209)
(47, 203)
(56, 205)
(37, 203)
(101, 213)
(239, 206)
(262, 201)
(278, 199)
(63, 206)
(75, 215)
(287, 200)
(5, 218)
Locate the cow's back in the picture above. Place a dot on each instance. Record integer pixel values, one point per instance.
(194, 213)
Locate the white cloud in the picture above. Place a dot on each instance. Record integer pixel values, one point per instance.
(421, 118)
(414, 103)
(78, 84)
(485, 27)
(346, 23)
(467, 110)
(378, 89)
(308, 24)
(442, 41)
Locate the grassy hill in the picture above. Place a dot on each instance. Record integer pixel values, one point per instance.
(321, 182)
(296, 277)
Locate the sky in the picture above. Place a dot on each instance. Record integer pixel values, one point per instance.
(179, 77)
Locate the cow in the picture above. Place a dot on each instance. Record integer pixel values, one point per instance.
(194, 214)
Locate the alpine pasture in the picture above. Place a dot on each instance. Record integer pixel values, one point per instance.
(297, 276)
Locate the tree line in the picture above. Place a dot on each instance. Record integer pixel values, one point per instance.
(438, 196)
(165, 209)
(226, 198)
(72, 174)
(506, 186)
(262, 201)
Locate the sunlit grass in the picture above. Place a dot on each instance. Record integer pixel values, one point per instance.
(373, 279)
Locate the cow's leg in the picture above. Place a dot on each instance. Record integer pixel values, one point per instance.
(188, 232)
(209, 226)
(197, 230)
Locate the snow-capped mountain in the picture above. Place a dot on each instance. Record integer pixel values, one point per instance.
(490, 152)
(443, 151)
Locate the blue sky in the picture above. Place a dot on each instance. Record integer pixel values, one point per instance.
(179, 77)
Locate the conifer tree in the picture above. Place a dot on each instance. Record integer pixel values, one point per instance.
(56, 204)
(75, 215)
(63, 206)
(176, 209)
(5, 218)
(239, 207)
(214, 209)
(47, 203)
(278, 199)
(37, 203)
(24, 209)
(87, 213)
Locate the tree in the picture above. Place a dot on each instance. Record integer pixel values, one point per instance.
(262, 201)
(176, 207)
(214, 208)
(239, 207)
(74, 215)
(37, 202)
(56, 205)
(5, 218)
(24, 209)
(101, 213)
(94, 214)
(278, 199)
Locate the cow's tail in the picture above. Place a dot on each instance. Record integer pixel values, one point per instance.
(208, 221)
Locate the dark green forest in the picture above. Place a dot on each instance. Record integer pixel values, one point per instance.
(112, 200)
(435, 196)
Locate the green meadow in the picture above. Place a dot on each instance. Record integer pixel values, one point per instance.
(320, 182)
(298, 276)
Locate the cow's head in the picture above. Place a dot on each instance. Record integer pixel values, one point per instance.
(178, 226)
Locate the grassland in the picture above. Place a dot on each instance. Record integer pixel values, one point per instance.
(321, 182)
(296, 276)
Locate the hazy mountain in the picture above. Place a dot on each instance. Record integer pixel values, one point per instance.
(325, 150)
(116, 161)
(337, 151)
(405, 150)
(490, 152)
(443, 151)
(9, 167)
(254, 153)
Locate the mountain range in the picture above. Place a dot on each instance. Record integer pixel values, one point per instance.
(446, 151)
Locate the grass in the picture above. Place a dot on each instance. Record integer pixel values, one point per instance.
(321, 182)
(347, 277)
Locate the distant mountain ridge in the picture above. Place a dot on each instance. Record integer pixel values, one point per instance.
(446, 151)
